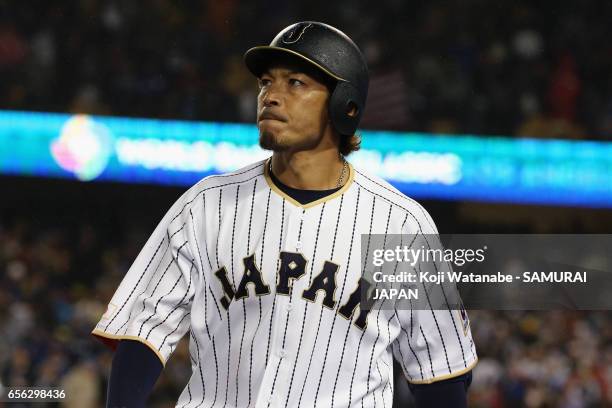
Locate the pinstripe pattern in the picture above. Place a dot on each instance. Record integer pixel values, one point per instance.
(199, 361)
(206, 290)
(134, 288)
(280, 245)
(228, 320)
(299, 237)
(433, 373)
(314, 257)
(348, 325)
(153, 312)
(377, 318)
(167, 246)
(179, 303)
(195, 239)
(338, 216)
(244, 319)
(273, 349)
(248, 251)
(365, 256)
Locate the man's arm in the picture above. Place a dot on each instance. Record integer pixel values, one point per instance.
(134, 372)
(451, 393)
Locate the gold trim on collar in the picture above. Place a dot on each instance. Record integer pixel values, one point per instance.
(274, 187)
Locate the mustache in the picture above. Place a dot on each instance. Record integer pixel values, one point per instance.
(267, 114)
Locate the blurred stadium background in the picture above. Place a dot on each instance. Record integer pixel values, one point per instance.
(511, 99)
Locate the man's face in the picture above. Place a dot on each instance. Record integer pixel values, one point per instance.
(291, 109)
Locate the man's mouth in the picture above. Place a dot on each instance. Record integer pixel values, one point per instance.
(271, 116)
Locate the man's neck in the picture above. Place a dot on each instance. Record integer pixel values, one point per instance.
(308, 170)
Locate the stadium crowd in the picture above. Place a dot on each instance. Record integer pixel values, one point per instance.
(507, 67)
(61, 261)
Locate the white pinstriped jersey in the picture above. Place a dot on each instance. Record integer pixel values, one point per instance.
(266, 287)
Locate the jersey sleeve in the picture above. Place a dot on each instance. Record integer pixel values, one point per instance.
(435, 342)
(153, 301)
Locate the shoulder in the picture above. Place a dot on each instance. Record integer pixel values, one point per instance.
(416, 214)
(196, 194)
(242, 175)
(218, 181)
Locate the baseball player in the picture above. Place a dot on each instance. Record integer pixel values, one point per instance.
(261, 267)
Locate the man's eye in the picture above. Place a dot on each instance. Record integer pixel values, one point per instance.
(264, 82)
(295, 82)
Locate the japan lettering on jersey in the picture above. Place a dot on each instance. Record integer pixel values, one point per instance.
(269, 292)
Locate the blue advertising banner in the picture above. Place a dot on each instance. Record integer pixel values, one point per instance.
(453, 167)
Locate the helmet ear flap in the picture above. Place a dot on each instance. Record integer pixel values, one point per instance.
(344, 97)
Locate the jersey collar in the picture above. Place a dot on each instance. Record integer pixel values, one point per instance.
(274, 187)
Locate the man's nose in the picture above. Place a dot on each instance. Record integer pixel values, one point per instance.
(271, 100)
(272, 96)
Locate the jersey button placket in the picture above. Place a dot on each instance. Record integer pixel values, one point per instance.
(300, 218)
(296, 228)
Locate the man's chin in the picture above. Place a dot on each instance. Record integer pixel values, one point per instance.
(268, 141)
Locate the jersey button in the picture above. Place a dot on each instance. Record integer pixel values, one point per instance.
(282, 353)
(289, 307)
(298, 245)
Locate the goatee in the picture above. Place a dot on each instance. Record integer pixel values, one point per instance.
(267, 141)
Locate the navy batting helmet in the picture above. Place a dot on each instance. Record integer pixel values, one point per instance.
(333, 53)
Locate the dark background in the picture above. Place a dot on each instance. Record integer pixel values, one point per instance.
(513, 68)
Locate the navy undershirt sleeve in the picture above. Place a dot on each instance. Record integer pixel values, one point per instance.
(451, 393)
(134, 372)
